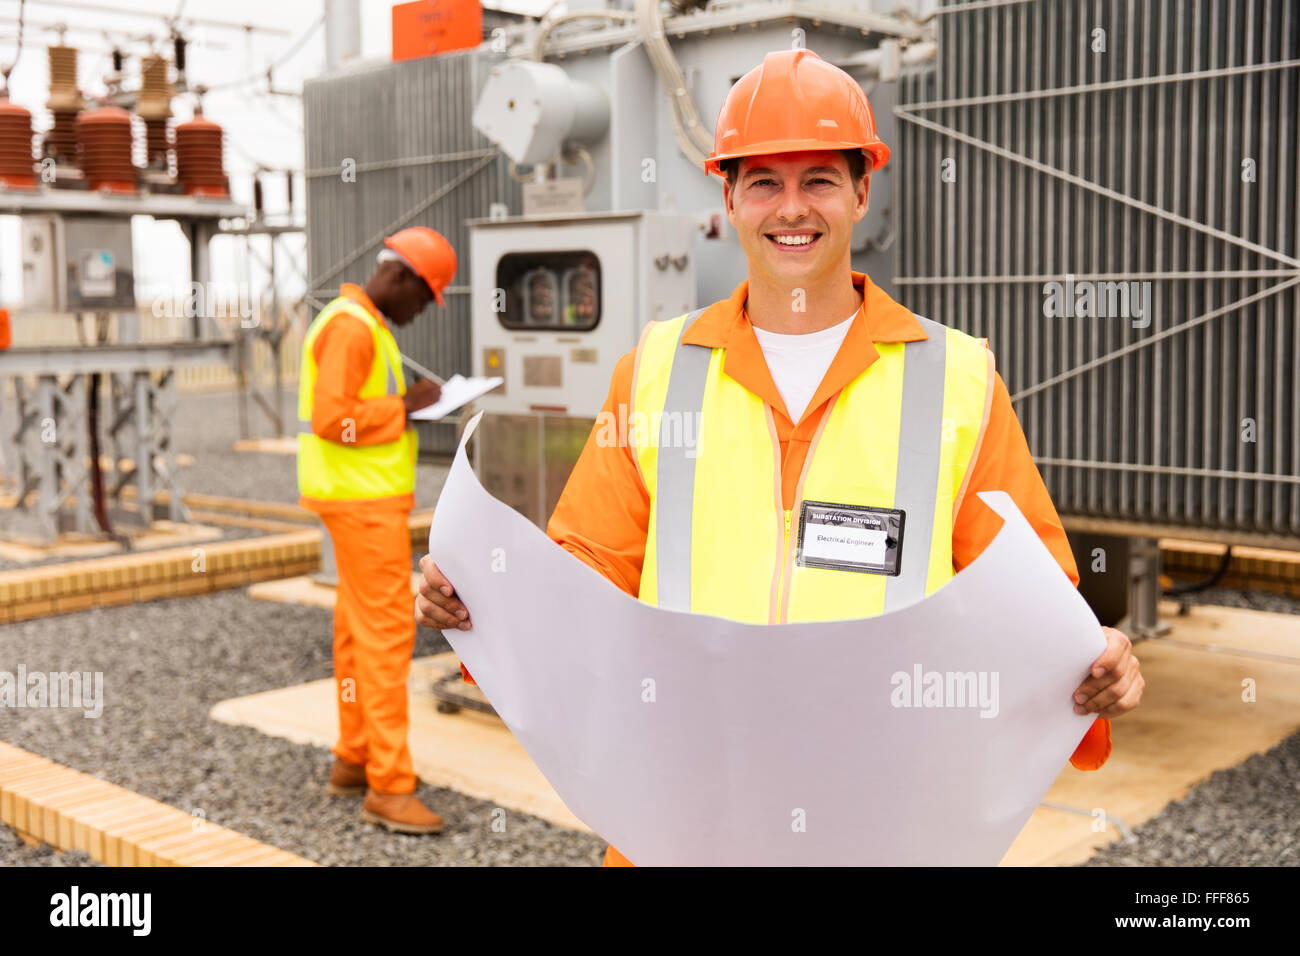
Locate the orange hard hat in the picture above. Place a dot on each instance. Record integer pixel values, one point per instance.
(795, 101)
(429, 254)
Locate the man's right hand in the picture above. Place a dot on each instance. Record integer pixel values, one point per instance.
(421, 395)
(437, 605)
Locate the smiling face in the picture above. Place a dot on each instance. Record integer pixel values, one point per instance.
(794, 215)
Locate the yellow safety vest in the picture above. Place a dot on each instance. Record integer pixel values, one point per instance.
(900, 436)
(334, 471)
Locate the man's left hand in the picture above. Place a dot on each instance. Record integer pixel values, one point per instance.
(1115, 683)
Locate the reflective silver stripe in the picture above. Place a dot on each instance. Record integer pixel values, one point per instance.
(391, 383)
(920, 441)
(304, 428)
(675, 473)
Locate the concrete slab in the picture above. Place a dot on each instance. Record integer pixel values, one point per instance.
(469, 752)
(1193, 721)
(162, 534)
(305, 591)
(268, 446)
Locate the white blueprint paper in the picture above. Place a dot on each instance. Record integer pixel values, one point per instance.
(772, 744)
(456, 391)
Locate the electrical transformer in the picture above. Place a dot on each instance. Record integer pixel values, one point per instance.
(556, 301)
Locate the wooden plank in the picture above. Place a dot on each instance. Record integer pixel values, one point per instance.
(217, 843)
(126, 808)
(267, 855)
(120, 842)
(33, 795)
(46, 801)
(125, 579)
(52, 811)
(239, 855)
(7, 794)
(132, 845)
(160, 850)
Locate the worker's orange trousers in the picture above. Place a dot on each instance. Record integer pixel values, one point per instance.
(374, 634)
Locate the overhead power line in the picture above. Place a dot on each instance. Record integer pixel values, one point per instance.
(148, 15)
(18, 50)
(280, 61)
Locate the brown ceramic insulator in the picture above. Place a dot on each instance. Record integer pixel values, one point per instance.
(154, 100)
(104, 136)
(16, 146)
(64, 95)
(199, 158)
(159, 140)
(61, 140)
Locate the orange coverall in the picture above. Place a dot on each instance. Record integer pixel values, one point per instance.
(374, 631)
(603, 515)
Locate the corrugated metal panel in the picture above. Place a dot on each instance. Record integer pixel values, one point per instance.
(1139, 424)
(389, 120)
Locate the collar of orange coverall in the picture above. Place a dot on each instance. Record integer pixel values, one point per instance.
(725, 325)
(358, 295)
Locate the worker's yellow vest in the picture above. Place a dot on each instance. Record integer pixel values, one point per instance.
(901, 435)
(334, 471)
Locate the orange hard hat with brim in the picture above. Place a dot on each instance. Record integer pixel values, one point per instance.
(795, 101)
(429, 254)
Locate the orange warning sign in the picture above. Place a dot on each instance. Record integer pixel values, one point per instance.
(429, 27)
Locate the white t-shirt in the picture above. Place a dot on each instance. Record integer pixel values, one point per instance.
(798, 363)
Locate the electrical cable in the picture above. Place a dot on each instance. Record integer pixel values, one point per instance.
(589, 177)
(549, 23)
(693, 139)
(1205, 583)
(274, 65)
(18, 51)
(512, 170)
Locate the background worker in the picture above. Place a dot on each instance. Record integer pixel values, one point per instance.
(828, 391)
(356, 469)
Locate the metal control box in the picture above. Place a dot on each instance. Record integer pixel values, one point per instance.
(73, 263)
(558, 299)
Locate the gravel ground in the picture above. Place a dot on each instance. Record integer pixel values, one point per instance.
(166, 663)
(1242, 816)
(14, 852)
(1252, 600)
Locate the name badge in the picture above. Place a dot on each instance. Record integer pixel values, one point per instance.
(849, 538)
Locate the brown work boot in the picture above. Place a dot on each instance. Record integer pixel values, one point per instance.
(347, 779)
(400, 812)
